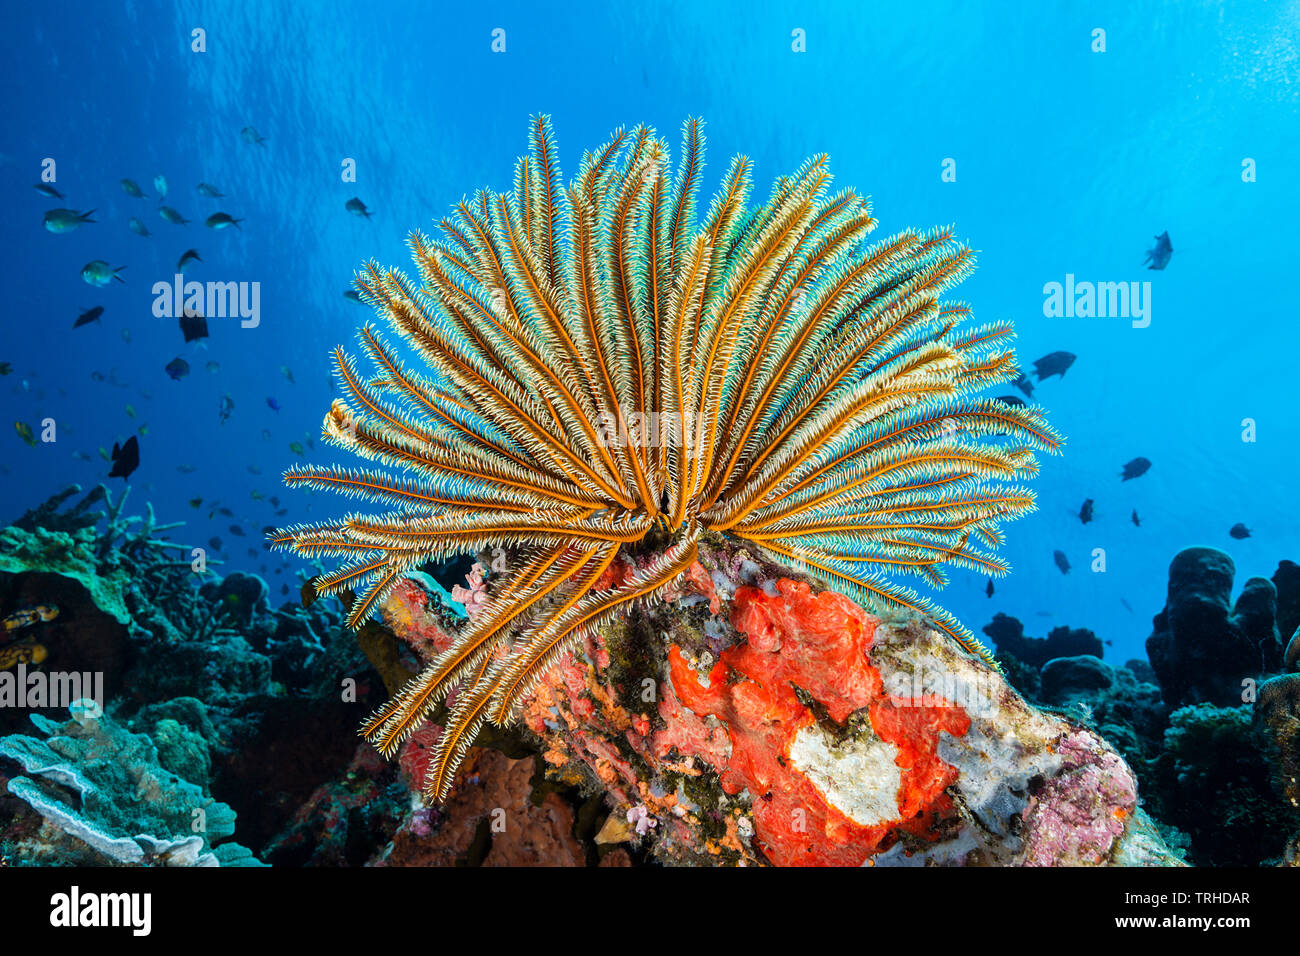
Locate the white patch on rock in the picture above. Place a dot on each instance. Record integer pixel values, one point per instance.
(859, 777)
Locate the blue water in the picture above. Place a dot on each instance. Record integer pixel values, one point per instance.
(1068, 161)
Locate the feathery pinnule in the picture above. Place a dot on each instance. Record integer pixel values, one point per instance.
(600, 367)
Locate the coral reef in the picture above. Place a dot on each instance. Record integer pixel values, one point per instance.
(1213, 727)
(1277, 717)
(1008, 636)
(751, 718)
(1203, 648)
(250, 706)
(97, 795)
(1237, 817)
(783, 724)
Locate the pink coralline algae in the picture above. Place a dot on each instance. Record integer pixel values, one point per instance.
(1080, 813)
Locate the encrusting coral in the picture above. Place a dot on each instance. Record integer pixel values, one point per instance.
(613, 385)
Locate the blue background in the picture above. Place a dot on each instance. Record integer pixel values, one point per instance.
(1068, 161)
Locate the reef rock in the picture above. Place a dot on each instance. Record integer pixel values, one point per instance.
(1008, 636)
(242, 595)
(1202, 648)
(758, 718)
(98, 796)
(1073, 678)
(1219, 754)
(1287, 581)
(1277, 716)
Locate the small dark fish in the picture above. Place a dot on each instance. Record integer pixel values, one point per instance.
(136, 226)
(354, 295)
(280, 513)
(215, 543)
(274, 501)
(1024, 384)
(6, 368)
(25, 433)
(251, 136)
(989, 590)
(190, 255)
(253, 552)
(66, 220)
(1239, 531)
(356, 207)
(1085, 513)
(196, 502)
(172, 216)
(90, 315)
(1137, 522)
(1128, 607)
(48, 191)
(210, 191)
(227, 406)
(193, 325)
(1135, 468)
(126, 459)
(1109, 643)
(1015, 401)
(284, 589)
(225, 512)
(1160, 255)
(178, 368)
(236, 530)
(273, 404)
(1054, 363)
(131, 189)
(268, 529)
(1061, 561)
(220, 220)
